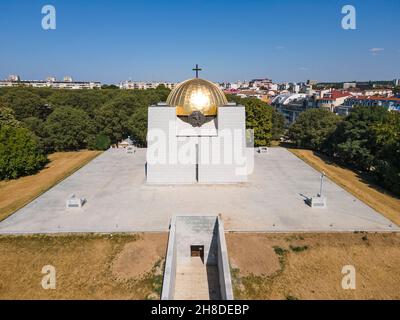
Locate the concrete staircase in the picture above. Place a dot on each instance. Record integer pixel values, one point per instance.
(196, 281)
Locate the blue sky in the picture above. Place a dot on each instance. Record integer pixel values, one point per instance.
(286, 40)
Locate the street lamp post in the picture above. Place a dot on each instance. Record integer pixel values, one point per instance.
(322, 181)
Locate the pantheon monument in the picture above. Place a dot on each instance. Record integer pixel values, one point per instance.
(196, 136)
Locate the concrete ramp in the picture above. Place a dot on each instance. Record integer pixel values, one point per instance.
(197, 265)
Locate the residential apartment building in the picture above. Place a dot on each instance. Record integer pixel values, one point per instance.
(290, 105)
(392, 104)
(260, 83)
(144, 85)
(50, 82)
(333, 99)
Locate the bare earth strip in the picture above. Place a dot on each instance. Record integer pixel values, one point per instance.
(14, 194)
(91, 266)
(309, 266)
(374, 196)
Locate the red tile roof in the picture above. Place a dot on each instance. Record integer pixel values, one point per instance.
(333, 95)
(376, 98)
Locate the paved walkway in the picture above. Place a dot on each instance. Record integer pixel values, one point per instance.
(118, 199)
(195, 281)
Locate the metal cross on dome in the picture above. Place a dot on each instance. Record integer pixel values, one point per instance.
(197, 69)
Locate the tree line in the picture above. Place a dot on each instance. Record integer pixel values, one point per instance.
(37, 121)
(368, 140)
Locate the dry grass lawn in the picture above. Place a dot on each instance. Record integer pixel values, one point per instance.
(119, 266)
(264, 266)
(14, 194)
(308, 266)
(374, 196)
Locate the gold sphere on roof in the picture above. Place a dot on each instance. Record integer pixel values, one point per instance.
(196, 95)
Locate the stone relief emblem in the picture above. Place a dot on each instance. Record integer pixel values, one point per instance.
(197, 119)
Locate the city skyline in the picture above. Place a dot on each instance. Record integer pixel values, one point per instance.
(70, 79)
(162, 41)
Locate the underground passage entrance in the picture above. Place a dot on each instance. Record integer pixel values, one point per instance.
(197, 251)
(197, 265)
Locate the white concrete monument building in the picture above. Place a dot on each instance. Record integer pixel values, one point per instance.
(196, 137)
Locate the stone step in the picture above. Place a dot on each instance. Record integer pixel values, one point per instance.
(195, 281)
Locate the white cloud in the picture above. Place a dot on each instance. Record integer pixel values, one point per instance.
(376, 51)
(279, 47)
(303, 69)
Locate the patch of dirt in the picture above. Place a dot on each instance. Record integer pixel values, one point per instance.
(83, 264)
(251, 255)
(139, 257)
(315, 271)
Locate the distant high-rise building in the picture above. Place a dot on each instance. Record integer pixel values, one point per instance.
(348, 85)
(259, 83)
(68, 79)
(144, 85)
(50, 82)
(14, 77)
(294, 88)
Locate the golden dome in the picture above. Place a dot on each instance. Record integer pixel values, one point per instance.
(196, 95)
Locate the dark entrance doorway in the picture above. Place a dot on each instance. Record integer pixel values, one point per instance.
(197, 251)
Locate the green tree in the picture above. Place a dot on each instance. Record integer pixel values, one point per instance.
(109, 86)
(43, 111)
(7, 117)
(24, 103)
(353, 141)
(35, 125)
(112, 121)
(86, 100)
(386, 162)
(312, 128)
(99, 142)
(138, 126)
(68, 129)
(19, 152)
(278, 125)
(259, 118)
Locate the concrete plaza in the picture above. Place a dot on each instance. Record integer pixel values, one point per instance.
(119, 200)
